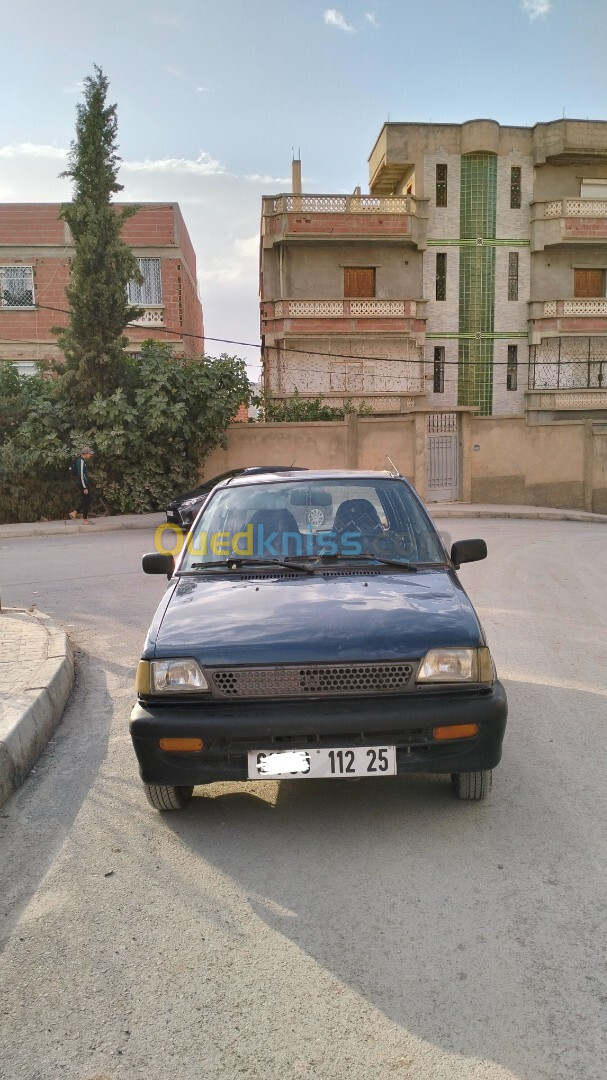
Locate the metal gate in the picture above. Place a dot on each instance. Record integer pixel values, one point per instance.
(443, 457)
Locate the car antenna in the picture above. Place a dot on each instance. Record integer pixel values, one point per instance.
(394, 470)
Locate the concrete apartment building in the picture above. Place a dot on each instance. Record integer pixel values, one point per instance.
(471, 277)
(36, 249)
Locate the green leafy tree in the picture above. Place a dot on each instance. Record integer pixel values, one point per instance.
(93, 343)
(150, 436)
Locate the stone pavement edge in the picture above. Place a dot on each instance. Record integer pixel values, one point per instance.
(36, 677)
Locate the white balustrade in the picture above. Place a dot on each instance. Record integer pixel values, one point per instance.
(584, 208)
(343, 204)
(585, 307)
(153, 316)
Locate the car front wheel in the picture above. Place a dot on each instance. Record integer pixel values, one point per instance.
(472, 785)
(166, 797)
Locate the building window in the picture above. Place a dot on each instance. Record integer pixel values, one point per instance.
(515, 188)
(439, 369)
(513, 275)
(512, 369)
(150, 293)
(359, 281)
(26, 367)
(593, 189)
(441, 185)
(589, 283)
(16, 286)
(441, 276)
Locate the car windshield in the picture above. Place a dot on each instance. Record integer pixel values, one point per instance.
(338, 517)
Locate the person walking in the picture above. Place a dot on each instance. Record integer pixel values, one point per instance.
(79, 470)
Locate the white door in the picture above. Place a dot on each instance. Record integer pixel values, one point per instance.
(443, 457)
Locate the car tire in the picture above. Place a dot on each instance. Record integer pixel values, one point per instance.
(472, 785)
(166, 797)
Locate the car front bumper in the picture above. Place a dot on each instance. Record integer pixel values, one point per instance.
(230, 731)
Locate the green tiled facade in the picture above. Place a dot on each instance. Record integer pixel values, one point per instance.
(478, 211)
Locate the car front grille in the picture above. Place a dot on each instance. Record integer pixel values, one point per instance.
(311, 680)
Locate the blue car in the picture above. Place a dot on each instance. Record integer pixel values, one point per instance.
(314, 626)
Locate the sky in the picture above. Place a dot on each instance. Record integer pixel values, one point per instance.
(216, 96)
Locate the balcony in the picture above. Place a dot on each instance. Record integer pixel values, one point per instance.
(283, 318)
(570, 142)
(343, 217)
(568, 221)
(551, 318)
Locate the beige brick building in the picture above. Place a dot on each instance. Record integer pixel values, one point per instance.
(471, 277)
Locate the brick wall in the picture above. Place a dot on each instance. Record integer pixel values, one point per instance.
(32, 223)
(153, 226)
(32, 235)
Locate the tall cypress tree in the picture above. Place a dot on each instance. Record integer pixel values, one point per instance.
(94, 342)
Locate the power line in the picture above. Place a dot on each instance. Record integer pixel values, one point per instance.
(295, 351)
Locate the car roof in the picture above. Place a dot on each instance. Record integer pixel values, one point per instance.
(309, 474)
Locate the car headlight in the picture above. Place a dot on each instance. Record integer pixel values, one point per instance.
(456, 665)
(179, 676)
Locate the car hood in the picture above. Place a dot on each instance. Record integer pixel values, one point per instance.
(265, 619)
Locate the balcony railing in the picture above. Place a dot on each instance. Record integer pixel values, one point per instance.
(323, 309)
(342, 204)
(569, 363)
(583, 208)
(575, 308)
(152, 316)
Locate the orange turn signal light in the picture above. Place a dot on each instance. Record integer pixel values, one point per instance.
(456, 731)
(181, 744)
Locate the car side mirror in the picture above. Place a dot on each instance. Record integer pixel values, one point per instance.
(155, 563)
(468, 551)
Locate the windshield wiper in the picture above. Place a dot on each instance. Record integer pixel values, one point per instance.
(375, 558)
(236, 563)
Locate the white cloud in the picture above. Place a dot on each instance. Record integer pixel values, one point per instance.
(536, 9)
(333, 17)
(19, 150)
(264, 178)
(203, 90)
(203, 165)
(77, 88)
(371, 18)
(240, 265)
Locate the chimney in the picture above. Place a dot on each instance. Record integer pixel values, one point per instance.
(296, 176)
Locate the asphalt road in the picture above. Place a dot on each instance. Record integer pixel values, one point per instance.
(325, 930)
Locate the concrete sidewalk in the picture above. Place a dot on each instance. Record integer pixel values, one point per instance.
(436, 510)
(36, 677)
(71, 528)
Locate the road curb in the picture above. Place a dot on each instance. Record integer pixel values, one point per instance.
(29, 718)
(533, 514)
(71, 528)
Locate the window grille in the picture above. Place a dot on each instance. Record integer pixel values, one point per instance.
(515, 188)
(513, 275)
(441, 185)
(150, 293)
(16, 286)
(512, 368)
(441, 276)
(439, 369)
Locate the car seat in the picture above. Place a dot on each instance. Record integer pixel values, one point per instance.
(356, 515)
(266, 522)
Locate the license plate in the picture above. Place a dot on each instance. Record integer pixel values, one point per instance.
(340, 763)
